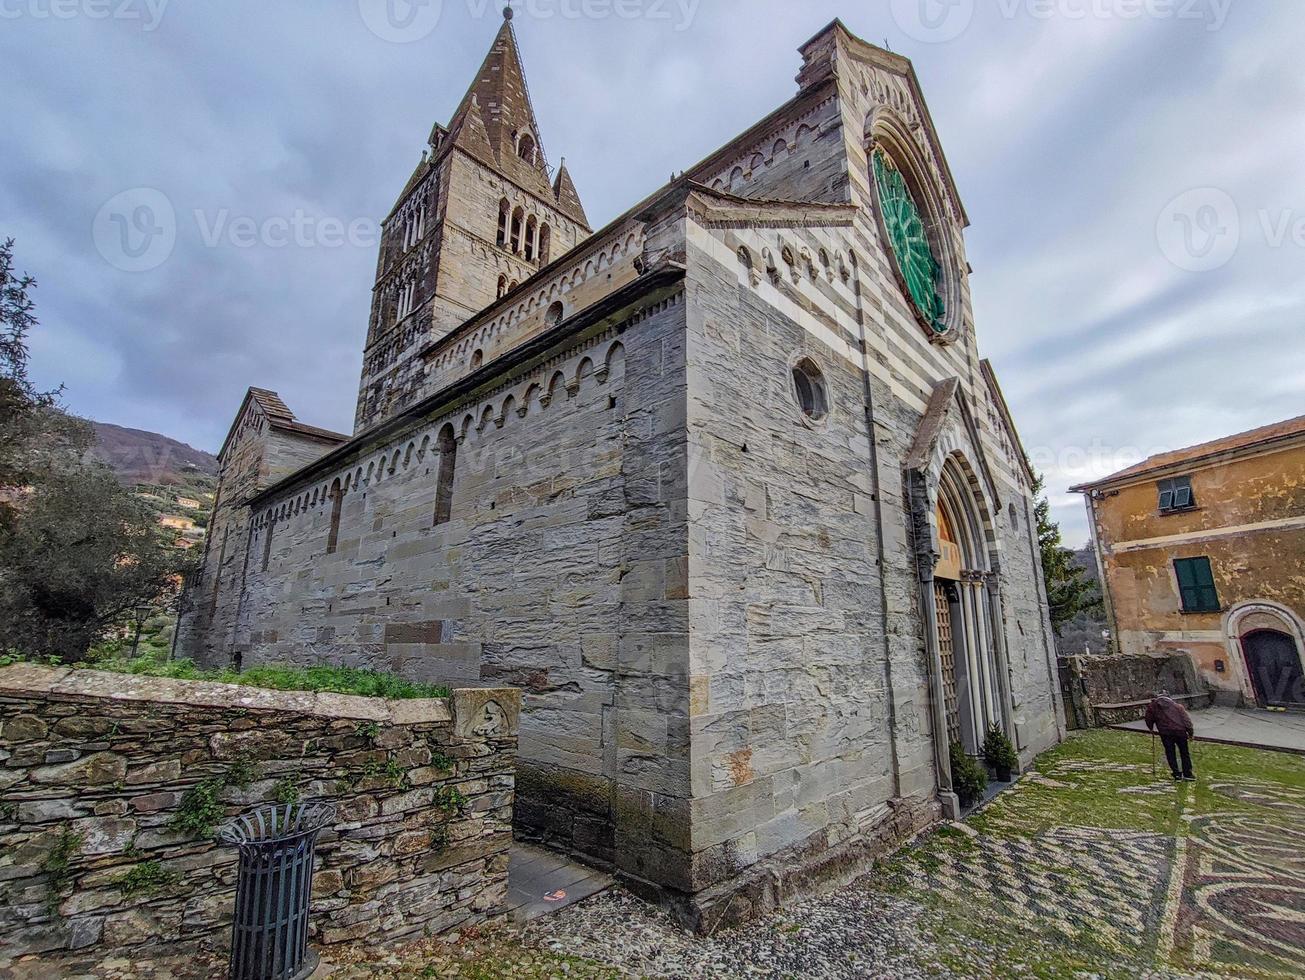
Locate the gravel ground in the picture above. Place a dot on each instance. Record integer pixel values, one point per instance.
(853, 932)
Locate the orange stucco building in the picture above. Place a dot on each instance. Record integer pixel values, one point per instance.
(1202, 551)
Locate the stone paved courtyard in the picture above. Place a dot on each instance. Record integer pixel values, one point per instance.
(1089, 866)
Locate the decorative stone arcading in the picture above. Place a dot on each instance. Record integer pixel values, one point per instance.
(97, 767)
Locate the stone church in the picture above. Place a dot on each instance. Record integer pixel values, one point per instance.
(724, 487)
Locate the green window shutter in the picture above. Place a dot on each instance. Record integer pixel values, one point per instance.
(1196, 585)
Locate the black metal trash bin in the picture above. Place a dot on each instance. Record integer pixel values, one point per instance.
(269, 936)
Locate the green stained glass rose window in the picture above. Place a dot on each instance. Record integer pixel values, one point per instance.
(910, 242)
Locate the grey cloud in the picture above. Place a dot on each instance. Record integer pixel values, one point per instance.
(1067, 139)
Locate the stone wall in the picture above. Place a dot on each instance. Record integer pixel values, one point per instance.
(1111, 690)
(95, 769)
(560, 570)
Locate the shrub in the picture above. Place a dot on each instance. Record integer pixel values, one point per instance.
(200, 808)
(998, 752)
(969, 779)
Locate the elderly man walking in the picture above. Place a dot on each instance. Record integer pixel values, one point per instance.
(1172, 721)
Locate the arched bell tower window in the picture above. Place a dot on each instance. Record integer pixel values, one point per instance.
(545, 243)
(504, 216)
(532, 229)
(518, 217)
(526, 148)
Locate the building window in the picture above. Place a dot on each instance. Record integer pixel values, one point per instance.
(526, 148)
(532, 226)
(1176, 494)
(337, 505)
(267, 545)
(809, 386)
(448, 447)
(554, 315)
(518, 221)
(1196, 585)
(504, 216)
(545, 243)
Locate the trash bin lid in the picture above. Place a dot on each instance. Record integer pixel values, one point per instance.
(277, 822)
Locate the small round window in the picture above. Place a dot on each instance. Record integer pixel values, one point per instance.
(809, 386)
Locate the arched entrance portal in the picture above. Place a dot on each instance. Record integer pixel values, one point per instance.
(964, 584)
(1274, 666)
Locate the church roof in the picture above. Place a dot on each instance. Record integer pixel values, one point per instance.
(568, 198)
(278, 416)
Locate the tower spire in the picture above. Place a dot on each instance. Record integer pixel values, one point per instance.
(496, 123)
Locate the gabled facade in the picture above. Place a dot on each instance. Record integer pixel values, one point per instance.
(725, 488)
(1201, 552)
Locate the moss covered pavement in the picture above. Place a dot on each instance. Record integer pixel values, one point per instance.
(1092, 864)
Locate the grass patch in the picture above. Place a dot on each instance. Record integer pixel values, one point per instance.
(277, 677)
(1103, 779)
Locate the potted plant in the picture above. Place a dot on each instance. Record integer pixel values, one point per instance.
(999, 753)
(969, 779)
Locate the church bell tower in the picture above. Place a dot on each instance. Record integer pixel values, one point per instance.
(482, 213)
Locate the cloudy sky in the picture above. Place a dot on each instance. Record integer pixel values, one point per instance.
(1132, 170)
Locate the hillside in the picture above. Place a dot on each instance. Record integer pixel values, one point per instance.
(176, 481)
(1083, 632)
(138, 457)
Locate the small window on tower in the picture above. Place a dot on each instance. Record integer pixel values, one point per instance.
(517, 217)
(526, 148)
(532, 228)
(504, 216)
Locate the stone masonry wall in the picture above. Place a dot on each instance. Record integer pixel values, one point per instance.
(1107, 690)
(95, 768)
(561, 571)
(803, 757)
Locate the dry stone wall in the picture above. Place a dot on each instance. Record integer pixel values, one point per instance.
(97, 769)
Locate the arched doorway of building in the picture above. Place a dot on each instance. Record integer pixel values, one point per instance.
(1274, 666)
(971, 686)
